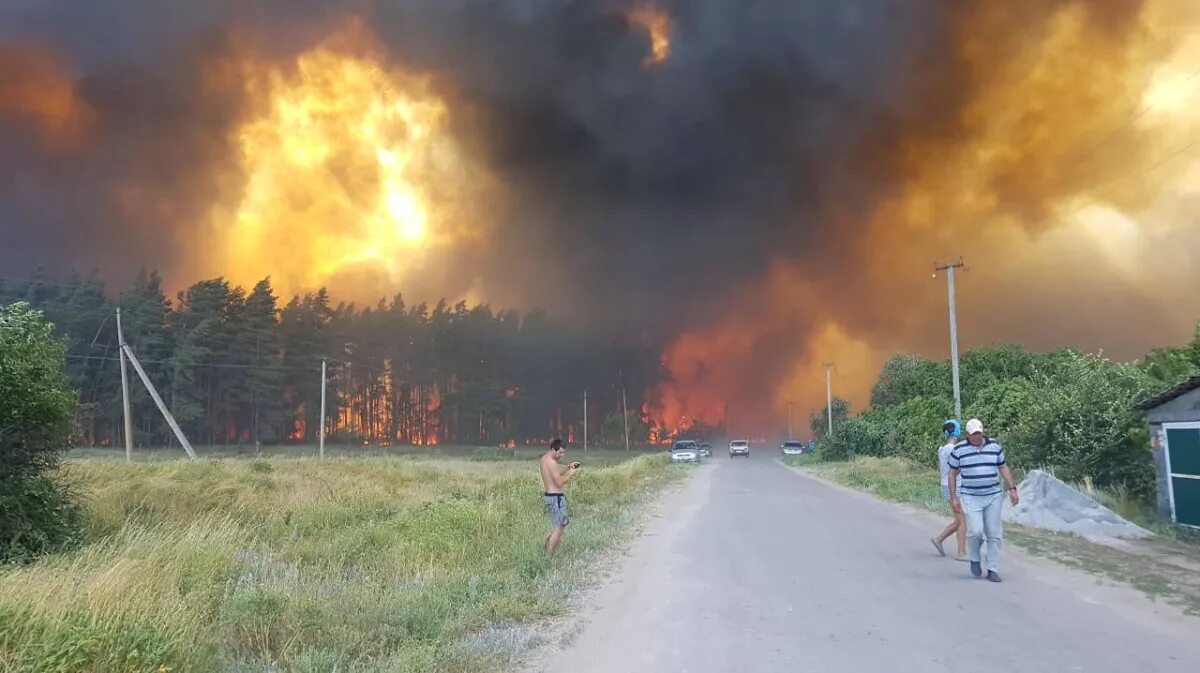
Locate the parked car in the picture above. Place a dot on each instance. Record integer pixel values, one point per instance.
(706, 449)
(685, 451)
(793, 447)
(739, 447)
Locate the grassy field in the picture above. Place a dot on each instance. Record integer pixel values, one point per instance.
(285, 564)
(594, 456)
(1165, 567)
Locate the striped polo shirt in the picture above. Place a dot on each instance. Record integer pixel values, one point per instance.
(978, 467)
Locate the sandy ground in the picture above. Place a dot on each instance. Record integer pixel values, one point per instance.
(755, 567)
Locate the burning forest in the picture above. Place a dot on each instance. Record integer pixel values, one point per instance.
(707, 200)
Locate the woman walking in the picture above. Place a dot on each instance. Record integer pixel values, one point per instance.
(958, 528)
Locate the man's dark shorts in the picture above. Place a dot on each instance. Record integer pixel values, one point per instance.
(556, 507)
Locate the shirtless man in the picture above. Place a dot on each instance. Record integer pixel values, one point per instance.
(555, 478)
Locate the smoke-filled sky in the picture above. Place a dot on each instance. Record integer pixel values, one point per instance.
(760, 185)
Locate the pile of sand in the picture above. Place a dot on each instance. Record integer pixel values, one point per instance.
(1047, 502)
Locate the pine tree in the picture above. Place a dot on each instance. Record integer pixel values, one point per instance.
(258, 343)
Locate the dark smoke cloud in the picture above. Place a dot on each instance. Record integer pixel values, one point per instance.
(624, 176)
(656, 199)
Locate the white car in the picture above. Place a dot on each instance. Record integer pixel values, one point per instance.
(685, 451)
(793, 447)
(739, 447)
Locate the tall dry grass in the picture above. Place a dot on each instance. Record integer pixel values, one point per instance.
(371, 564)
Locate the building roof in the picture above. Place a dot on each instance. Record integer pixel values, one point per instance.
(1187, 386)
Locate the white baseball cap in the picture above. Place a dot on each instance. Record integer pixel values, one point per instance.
(974, 425)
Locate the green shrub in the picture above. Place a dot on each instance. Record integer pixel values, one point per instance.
(1064, 410)
(910, 429)
(907, 376)
(40, 516)
(850, 437)
(36, 412)
(1078, 419)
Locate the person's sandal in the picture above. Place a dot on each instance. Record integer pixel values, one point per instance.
(938, 546)
(964, 559)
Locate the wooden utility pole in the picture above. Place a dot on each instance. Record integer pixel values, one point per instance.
(829, 393)
(321, 430)
(949, 268)
(124, 390)
(625, 415)
(162, 408)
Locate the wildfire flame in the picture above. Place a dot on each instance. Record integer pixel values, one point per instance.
(1077, 150)
(350, 163)
(657, 24)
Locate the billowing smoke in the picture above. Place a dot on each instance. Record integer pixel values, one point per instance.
(757, 186)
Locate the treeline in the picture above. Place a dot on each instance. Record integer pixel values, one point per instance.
(236, 367)
(1067, 410)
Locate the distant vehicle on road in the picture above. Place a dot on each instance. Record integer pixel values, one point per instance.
(685, 451)
(794, 447)
(706, 449)
(739, 447)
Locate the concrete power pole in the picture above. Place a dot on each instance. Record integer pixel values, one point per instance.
(789, 406)
(124, 390)
(829, 393)
(162, 407)
(728, 428)
(949, 268)
(321, 431)
(625, 415)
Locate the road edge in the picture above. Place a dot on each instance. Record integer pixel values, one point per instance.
(613, 566)
(1122, 597)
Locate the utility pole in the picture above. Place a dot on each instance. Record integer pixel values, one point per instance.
(124, 390)
(321, 431)
(949, 268)
(162, 408)
(829, 393)
(625, 415)
(585, 420)
(789, 406)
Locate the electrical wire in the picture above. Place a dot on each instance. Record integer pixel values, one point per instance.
(215, 365)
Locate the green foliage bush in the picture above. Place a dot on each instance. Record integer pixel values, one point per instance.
(907, 376)
(36, 412)
(909, 429)
(1080, 421)
(1065, 410)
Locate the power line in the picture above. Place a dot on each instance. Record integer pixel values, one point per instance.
(39, 281)
(1133, 118)
(217, 365)
(1166, 159)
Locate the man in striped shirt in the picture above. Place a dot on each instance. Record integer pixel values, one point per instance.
(979, 464)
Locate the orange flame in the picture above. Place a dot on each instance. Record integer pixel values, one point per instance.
(352, 162)
(657, 24)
